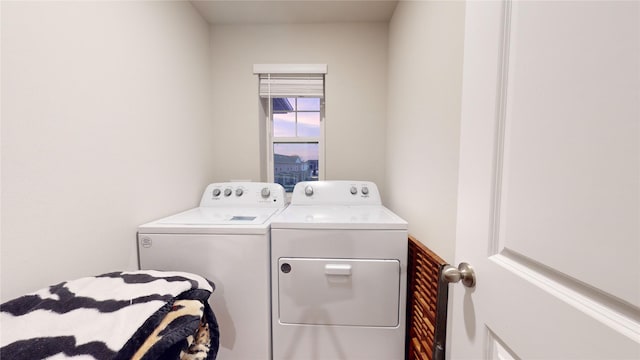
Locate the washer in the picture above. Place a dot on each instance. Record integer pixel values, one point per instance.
(339, 268)
(226, 240)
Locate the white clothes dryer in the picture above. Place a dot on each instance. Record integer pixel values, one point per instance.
(227, 240)
(339, 273)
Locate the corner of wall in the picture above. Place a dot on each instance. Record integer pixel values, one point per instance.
(423, 118)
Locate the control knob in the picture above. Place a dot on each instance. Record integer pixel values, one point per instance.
(216, 192)
(365, 190)
(239, 192)
(227, 192)
(353, 190)
(308, 190)
(265, 192)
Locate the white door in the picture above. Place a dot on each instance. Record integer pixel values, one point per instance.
(549, 190)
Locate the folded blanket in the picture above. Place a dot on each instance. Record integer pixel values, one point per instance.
(122, 315)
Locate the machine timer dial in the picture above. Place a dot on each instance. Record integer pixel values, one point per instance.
(265, 192)
(227, 192)
(216, 192)
(308, 190)
(365, 190)
(239, 192)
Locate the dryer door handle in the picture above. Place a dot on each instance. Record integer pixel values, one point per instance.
(337, 269)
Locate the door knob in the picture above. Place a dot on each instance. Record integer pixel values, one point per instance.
(463, 272)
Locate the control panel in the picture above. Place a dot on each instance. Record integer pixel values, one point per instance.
(246, 194)
(336, 192)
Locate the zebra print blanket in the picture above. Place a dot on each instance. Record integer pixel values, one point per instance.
(122, 315)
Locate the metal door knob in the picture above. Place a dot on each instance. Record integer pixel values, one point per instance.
(463, 272)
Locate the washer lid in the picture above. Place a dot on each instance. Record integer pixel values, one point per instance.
(214, 220)
(338, 217)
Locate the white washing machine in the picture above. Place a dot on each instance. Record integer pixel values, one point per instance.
(339, 268)
(227, 240)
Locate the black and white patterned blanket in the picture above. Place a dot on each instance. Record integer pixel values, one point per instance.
(122, 315)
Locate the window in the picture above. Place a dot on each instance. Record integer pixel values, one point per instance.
(293, 106)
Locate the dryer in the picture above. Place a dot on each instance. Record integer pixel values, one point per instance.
(227, 240)
(339, 273)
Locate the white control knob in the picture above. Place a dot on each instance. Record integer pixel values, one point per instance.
(265, 192)
(365, 190)
(239, 192)
(227, 192)
(353, 190)
(216, 192)
(308, 190)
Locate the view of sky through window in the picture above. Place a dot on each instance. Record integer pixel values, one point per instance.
(296, 135)
(297, 118)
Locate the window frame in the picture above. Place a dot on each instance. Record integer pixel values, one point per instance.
(273, 140)
(308, 74)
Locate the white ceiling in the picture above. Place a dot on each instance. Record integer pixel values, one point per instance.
(294, 11)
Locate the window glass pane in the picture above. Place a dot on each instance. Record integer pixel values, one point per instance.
(310, 104)
(280, 105)
(292, 101)
(309, 124)
(284, 124)
(294, 162)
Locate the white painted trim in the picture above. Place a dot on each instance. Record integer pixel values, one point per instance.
(289, 68)
(501, 120)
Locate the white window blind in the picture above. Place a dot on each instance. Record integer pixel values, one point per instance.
(291, 80)
(291, 85)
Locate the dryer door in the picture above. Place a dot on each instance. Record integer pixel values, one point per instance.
(356, 292)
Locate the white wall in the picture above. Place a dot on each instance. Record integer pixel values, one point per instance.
(425, 79)
(356, 93)
(107, 121)
(106, 124)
